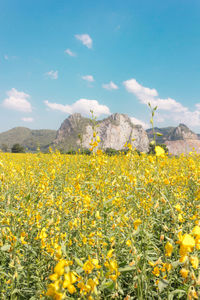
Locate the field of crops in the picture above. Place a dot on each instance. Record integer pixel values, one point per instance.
(99, 227)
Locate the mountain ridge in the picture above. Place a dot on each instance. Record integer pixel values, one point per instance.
(76, 131)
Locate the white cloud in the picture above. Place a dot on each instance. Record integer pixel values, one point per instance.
(89, 78)
(70, 53)
(139, 122)
(198, 106)
(110, 86)
(159, 117)
(85, 39)
(83, 106)
(52, 74)
(27, 119)
(175, 110)
(6, 57)
(17, 101)
(147, 95)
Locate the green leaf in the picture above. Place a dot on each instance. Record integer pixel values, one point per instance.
(175, 264)
(15, 291)
(108, 285)
(5, 247)
(126, 269)
(162, 284)
(159, 134)
(79, 262)
(173, 293)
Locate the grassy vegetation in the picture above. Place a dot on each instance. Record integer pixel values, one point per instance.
(29, 139)
(99, 227)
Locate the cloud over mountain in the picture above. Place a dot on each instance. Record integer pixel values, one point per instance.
(83, 106)
(17, 101)
(173, 110)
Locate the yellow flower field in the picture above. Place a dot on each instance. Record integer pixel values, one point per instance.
(99, 227)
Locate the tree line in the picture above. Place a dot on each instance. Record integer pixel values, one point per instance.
(17, 148)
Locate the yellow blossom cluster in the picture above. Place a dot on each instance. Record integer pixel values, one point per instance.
(98, 226)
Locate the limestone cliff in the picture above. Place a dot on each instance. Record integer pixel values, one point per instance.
(114, 132)
(178, 139)
(182, 140)
(182, 132)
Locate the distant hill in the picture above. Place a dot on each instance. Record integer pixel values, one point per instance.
(166, 132)
(178, 139)
(30, 139)
(114, 131)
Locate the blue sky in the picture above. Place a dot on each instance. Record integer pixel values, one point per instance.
(61, 57)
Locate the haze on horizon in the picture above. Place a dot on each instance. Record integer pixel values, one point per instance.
(58, 58)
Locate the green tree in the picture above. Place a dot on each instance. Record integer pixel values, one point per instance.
(4, 148)
(17, 148)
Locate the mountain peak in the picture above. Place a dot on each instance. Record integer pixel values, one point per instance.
(182, 125)
(75, 116)
(182, 132)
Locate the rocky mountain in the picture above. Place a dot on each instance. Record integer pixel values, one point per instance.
(114, 131)
(165, 132)
(182, 132)
(28, 138)
(178, 139)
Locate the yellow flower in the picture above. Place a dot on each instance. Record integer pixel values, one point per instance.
(180, 218)
(88, 266)
(58, 252)
(53, 277)
(128, 243)
(184, 272)
(92, 283)
(43, 234)
(156, 271)
(110, 253)
(69, 280)
(136, 223)
(159, 151)
(113, 265)
(194, 262)
(187, 244)
(188, 241)
(183, 258)
(97, 215)
(71, 289)
(58, 296)
(22, 240)
(95, 262)
(196, 231)
(168, 249)
(168, 267)
(59, 268)
(178, 207)
(98, 139)
(54, 287)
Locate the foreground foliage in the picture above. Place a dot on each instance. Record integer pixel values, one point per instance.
(99, 227)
